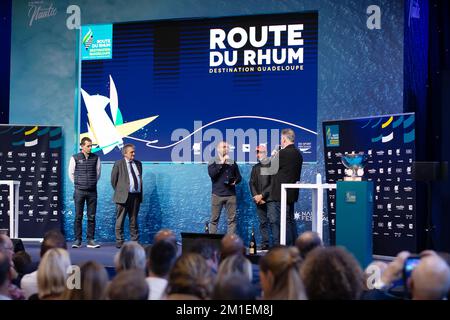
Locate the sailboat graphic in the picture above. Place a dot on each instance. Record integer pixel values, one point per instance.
(107, 134)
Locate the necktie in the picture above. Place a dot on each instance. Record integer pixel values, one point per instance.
(134, 176)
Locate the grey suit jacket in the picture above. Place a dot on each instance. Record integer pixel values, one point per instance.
(120, 180)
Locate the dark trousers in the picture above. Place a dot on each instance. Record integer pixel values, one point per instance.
(79, 198)
(217, 204)
(274, 214)
(264, 224)
(130, 208)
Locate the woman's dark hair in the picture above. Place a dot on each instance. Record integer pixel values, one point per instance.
(332, 273)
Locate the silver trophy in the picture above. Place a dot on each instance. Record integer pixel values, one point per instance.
(354, 164)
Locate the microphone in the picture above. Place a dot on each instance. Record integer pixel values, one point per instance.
(276, 150)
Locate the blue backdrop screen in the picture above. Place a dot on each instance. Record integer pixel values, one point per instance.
(174, 88)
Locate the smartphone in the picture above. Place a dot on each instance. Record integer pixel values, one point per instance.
(410, 263)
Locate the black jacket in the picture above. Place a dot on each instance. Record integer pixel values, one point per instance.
(260, 184)
(290, 167)
(222, 175)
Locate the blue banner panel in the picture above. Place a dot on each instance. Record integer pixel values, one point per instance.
(390, 143)
(32, 156)
(175, 88)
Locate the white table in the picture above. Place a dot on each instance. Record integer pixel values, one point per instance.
(13, 206)
(317, 204)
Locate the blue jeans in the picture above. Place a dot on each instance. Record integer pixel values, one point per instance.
(273, 212)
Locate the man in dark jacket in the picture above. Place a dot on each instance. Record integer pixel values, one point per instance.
(84, 172)
(289, 161)
(225, 175)
(259, 188)
(126, 180)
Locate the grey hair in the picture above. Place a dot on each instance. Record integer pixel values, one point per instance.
(126, 147)
(130, 256)
(289, 134)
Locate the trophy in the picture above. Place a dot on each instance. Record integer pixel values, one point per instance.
(354, 164)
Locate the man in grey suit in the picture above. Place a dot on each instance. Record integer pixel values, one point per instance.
(126, 180)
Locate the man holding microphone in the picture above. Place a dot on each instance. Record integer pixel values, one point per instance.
(225, 175)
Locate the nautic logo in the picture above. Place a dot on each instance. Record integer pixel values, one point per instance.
(87, 39)
(332, 135)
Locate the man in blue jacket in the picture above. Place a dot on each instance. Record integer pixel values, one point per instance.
(225, 175)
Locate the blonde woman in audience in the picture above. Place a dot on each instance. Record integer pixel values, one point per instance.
(280, 275)
(94, 280)
(52, 274)
(130, 256)
(235, 264)
(190, 279)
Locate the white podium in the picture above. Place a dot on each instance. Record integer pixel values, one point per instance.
(13, 206)
(317, 204)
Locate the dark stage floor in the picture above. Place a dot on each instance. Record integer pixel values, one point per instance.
(104, 254)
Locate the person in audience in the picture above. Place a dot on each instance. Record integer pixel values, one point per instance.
(7, 247)
(308, 241)
(430, 280)
(128, 285)
(161, 260)
(332, 273)
(231, 244)
(208, 251)
(52, 275)
(148, 251)
(4, 276)
(235, 264)
(94, 280)
(166, 234)
(22, 264)
(234, 286)
(52, 239)
(279, 275)
(190, 279)
(130, 256)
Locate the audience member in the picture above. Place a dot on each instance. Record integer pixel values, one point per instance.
(7, 247)
(308, 241)
(52, 274)
(332, 273)
(233, 286)
(22, 263)
(165, 234)
(94, 280)
(52, 239)
(130, 256)
(208, 251)
(160, 262)
(231, 244)
(280, 276)
(235, 264)
(430, 280)
(4, 276)
(128, 285)
(190, 279)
